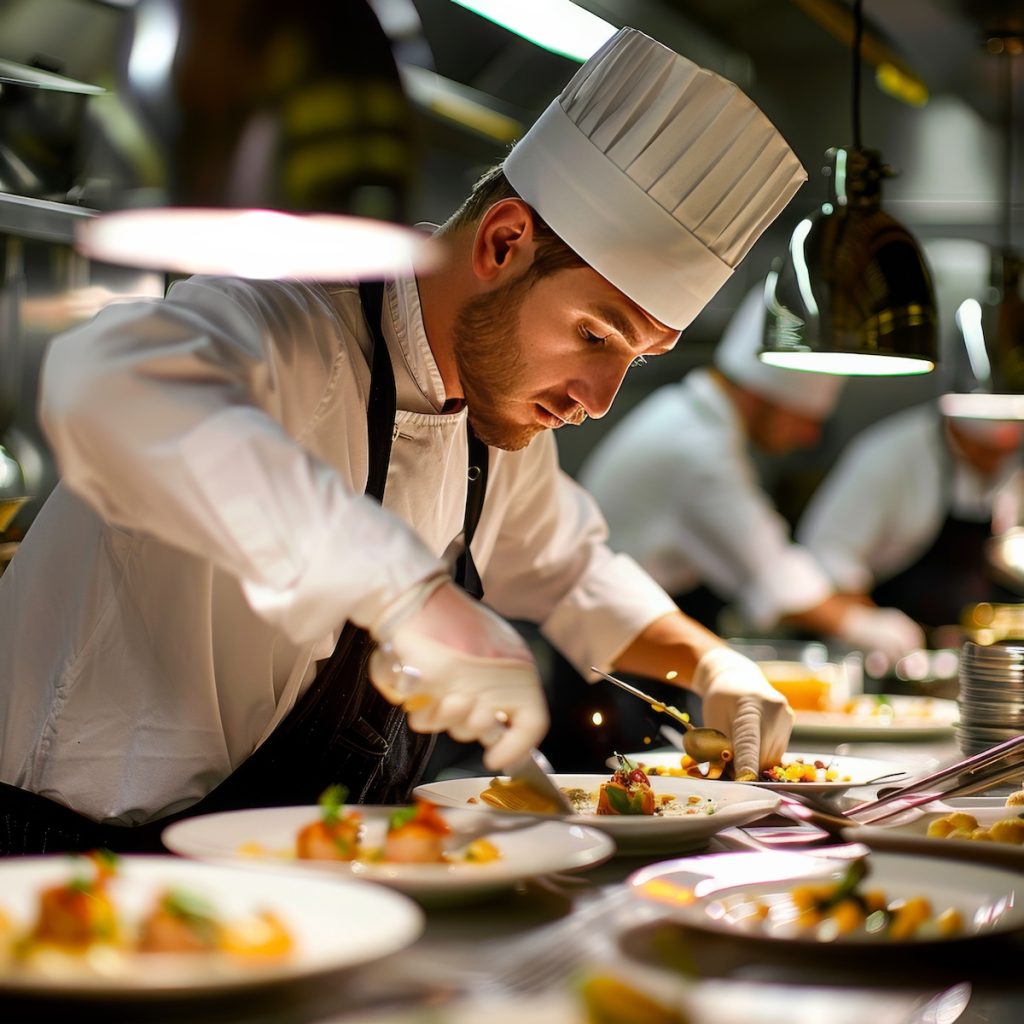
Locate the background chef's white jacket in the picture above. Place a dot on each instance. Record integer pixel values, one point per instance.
(221, 436)
(679, 490)
(884, 503)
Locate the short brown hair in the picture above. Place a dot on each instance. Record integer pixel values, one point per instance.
(552, 253)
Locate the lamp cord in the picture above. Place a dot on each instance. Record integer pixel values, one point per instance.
(1008, 84)
(858, 32)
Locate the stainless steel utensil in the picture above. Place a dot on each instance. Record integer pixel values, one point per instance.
(701, 742)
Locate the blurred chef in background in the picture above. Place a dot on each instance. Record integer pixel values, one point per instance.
(679, 487)
(905, 514)
(265, 479)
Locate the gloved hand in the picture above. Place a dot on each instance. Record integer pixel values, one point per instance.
(745, 706)
(457, 667)
(886, 630)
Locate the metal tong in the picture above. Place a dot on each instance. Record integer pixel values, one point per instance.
(966, 777)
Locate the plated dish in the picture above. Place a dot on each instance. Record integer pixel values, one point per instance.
(267, 837)
(808, 772)
(880, 717)
(985, 833)
(161, 924)
(715, 806)
(883, 900)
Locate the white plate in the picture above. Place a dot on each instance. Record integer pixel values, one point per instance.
(882, 717)
(334, 924)
(908, 833)
(544, 847)
(852, 771)
(708, 893)
(735, 805)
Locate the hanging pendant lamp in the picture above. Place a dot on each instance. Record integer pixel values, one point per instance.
(853, 294)
(273, 139)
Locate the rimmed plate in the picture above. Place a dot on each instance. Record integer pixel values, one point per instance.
(727, 894)
(266, 837)
(334, 924)
(908, 833)
(732, 803)
(851, 771)
(881, 717)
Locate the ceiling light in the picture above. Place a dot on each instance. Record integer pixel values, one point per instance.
(282, 138)
(853, 294)
(557, 25)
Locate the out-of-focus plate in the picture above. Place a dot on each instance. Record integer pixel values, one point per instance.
(718, 894)
(851, 771)
(335, 924)
(266, 837)
(881, 717)
(734, 804)
(908, 833)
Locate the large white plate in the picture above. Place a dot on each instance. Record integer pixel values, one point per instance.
(708, 893)
(735, 804)
(335, 924)
(852, 771)
(908, 833)
(881, 717)
(542, 848)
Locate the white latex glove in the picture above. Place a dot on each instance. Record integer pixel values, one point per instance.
(458, 668)
(886, 630)
(739, 700)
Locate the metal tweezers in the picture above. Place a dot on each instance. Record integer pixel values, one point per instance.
(964, 778)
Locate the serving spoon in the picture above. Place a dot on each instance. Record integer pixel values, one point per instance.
(701, 742)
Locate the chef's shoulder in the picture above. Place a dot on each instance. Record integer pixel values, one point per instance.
(282, 314)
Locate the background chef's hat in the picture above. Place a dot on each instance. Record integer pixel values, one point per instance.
(660, 174)
(813, 394)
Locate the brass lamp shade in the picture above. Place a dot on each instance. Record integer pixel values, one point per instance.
(277, 142)
(853, 294)
(988, 377)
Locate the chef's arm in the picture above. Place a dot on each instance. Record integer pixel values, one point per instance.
(668, 649)
(858, 621)
(167, 418)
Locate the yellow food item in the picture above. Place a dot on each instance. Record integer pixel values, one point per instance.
(1008, 830)
(965, 827)
(607, 1000)
(480, 851)
(950, 922)
(908, 916)
(962, 821)
(1016, 799)
(262, 937)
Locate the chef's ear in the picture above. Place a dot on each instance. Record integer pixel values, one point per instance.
(504, 240)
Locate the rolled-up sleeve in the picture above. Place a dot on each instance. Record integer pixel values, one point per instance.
(549, 563)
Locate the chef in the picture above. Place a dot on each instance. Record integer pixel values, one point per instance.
(906, 512)
(680, 491)
(265, 480)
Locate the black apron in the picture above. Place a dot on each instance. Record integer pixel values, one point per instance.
(950, 575)
(341, 729)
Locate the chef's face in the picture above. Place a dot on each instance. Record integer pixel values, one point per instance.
(778, 431)
(536, 353)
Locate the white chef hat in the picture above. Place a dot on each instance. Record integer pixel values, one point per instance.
(813, 394)
(660, 174)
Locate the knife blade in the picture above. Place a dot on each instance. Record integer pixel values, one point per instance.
(527, 772)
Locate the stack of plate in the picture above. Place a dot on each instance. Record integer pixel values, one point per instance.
(991, 694)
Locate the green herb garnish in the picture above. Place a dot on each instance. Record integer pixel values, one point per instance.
(331, 801)
(401, 817)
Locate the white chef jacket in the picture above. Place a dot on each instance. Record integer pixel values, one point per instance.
(884, 503)
(210, 536)
(677, 485)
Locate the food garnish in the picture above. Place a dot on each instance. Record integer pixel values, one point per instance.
(336, 835)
